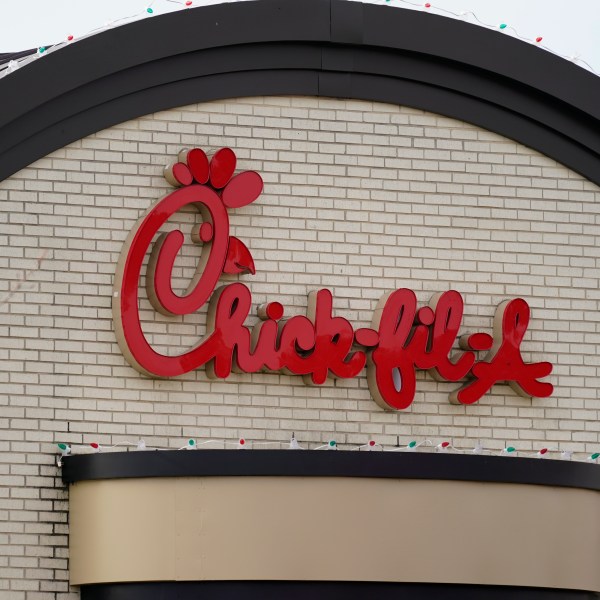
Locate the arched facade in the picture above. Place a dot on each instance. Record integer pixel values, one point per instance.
(398, 150)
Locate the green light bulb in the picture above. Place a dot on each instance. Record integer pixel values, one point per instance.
(412, 444)
(502, 25)
(595, 455)
(149, 10)
(511, 449)
(332, 444)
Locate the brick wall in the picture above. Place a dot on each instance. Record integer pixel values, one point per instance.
(361, 198)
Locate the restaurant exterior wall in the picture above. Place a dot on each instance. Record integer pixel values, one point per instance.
(361, 198)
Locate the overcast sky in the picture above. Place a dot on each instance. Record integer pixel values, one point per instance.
(569, 27)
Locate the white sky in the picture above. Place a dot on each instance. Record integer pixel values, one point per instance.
(568, 27)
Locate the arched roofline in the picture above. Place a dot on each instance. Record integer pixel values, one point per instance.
(332, 48)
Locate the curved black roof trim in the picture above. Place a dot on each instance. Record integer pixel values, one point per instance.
(341, 463)
(321, 590)
(334, 48)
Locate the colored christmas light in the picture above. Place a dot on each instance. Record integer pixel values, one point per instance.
(427, 6)
(191, 445)
(370, 445)
(412, 446)
(64, 448)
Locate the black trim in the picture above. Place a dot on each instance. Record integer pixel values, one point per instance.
(306, 463)
(6, 57)
(316, 590)
(315, 47)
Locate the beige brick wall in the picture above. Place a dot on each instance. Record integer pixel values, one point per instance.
(361, 198)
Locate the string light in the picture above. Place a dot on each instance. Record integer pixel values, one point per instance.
(410, 447)
(293, 444)
(149, 11)
(191, 445)
(330, 445)
(502, 26)
(370, 445)
(64, 449)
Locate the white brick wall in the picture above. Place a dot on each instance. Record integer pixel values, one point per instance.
(362, 198)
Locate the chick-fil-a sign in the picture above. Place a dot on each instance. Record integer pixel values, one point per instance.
(403, 337)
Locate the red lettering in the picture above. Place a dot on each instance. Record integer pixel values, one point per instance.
(402, 340)
(504, 361)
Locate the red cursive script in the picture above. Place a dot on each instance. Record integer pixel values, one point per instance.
(403, 338)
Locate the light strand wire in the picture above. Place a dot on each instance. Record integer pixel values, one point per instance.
(148, 11)
(442, 447)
